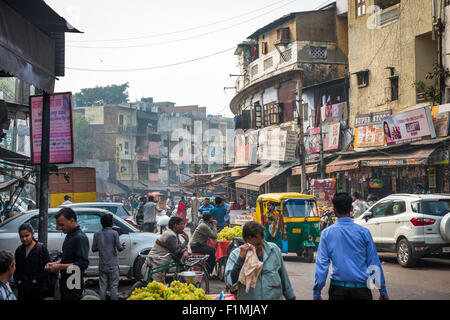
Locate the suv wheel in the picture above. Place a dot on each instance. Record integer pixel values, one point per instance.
(405, 254)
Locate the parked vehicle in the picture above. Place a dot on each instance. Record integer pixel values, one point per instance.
(301, 219)
(411, 225)
(136, 242)
(116, 208)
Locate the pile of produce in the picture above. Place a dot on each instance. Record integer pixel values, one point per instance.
(228, 234)
(176, 291)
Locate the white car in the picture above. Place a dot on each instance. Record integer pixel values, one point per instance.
(413, 226)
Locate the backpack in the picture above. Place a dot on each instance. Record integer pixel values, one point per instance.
(52, 278)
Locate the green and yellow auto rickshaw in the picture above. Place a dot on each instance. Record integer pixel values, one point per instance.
(301, 220)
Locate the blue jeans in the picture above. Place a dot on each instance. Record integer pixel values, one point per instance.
(109, 279)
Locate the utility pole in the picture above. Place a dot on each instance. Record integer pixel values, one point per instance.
(441, 28)
(322, 166)
(44, 171)
(300, 121)
(131, 149)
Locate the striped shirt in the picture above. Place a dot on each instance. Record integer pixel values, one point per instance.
(5, 292)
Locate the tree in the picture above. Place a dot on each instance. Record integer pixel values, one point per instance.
(83, 138)
(100, 96)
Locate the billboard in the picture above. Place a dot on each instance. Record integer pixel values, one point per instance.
(409, 126)
(61, 129)
(369, 136)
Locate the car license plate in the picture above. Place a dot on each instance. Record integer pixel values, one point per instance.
(446, 250)
(296, 230)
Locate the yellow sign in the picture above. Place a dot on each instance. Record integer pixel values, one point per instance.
(296, 230)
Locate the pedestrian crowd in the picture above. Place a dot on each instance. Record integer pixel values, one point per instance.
(255, 271)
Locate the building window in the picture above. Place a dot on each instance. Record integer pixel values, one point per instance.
(121, 119)
(394, 88)
(363, 78)
(273, 113)
(360, 8)
(318, 52)
(283, 35)
(264, 48)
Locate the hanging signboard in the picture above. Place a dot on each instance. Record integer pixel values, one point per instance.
(441, 123)
(369, 136)
(61, 128)
(373, 118)
(330, 138)
(409, 126)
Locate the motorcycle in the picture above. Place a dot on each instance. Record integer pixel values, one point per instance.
(327, 219)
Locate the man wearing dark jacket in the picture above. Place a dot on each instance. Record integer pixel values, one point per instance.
(75, 255)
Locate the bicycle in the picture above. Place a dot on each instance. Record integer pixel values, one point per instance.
(173, 269)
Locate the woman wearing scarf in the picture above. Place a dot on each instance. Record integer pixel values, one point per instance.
(274, 225)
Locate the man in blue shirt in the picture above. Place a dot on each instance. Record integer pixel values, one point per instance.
(219, 212)
(206, 207)
(351, 250)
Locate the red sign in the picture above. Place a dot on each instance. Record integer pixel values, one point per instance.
(61, 128)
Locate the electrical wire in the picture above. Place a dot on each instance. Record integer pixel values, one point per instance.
(151, 68)
(181, 30)
(182, 39)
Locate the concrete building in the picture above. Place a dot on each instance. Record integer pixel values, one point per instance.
(302, 54)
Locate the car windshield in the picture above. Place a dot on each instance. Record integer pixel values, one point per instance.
(435, 207)
(300, 208)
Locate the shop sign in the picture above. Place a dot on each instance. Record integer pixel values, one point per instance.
(343, 167)
(406, 127)
(392, 163)
(330, 135)
(369, 136)
(440, 157)
(324, 190)
(371, 118)
(61, 130)
(441, 123)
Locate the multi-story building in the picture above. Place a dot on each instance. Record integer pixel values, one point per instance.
(302, 54)
(400, 129)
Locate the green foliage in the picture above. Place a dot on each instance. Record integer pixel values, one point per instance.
(433, 92)
(100, 96)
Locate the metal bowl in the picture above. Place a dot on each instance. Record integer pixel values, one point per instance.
(192, 277)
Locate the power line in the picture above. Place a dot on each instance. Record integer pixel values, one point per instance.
(154, 67)
(181, 30)
(182, 39)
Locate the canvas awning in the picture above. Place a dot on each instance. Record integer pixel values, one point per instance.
(385, 159)
(109, 188)
(256, 179)
(32, 42)
(313, 168)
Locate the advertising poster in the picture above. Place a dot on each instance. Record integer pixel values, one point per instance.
(442, 124)
(369, 136)
(330, 138)
(324, 190)
(409, 126)
(61, 130)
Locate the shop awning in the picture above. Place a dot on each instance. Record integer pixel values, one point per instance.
(410, 157)
(32, 42)
(213, 174)
(256, 179)
(313, 168)
(14, 157)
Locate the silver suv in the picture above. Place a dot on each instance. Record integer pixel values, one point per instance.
(413, 226)
(130, 262)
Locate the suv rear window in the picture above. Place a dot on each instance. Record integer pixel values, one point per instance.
(435, 208)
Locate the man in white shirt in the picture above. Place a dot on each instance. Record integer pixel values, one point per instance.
(66, 200)
(359, 205)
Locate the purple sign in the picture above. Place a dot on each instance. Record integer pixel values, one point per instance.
(61, 129)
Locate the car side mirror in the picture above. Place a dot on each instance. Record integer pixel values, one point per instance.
(368, 216)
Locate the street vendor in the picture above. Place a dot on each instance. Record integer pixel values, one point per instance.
(169, 242)
(257, 271)
(206, 230)
(274, 225)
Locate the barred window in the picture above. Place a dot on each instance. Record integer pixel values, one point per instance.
(318, 52)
